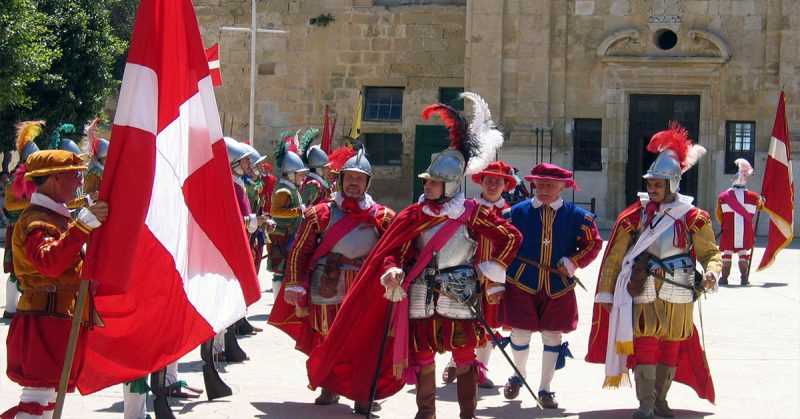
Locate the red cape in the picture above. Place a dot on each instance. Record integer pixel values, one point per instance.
(692, 364)
(345, 361)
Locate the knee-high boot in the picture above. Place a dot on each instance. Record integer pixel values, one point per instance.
(467, 389)
(426, 392)
(645, 376)
(726, 271)
(743, 264)
(664, 376)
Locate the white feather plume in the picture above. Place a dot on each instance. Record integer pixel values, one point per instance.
(484, 131)
(695, 153)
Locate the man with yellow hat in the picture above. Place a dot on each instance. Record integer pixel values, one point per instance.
(47, 253)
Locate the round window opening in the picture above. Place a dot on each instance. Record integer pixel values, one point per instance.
(666, 39)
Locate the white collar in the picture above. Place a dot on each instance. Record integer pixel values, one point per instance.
(288, 183)
(679, 200)
(500, 203)
(554, 205)
(238, 180)
(43, 200)
(451, 209)
(364, 203)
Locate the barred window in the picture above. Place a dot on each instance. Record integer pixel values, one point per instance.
(587, 141)
(740, 141)
(384, 149)
(384, 104)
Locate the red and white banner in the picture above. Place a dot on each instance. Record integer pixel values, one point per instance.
(212, 55)
(172, 265)
(777, 188)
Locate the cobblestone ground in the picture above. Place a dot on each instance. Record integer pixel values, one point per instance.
(752, 337)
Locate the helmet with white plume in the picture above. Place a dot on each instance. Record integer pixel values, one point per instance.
(745, 171)
(676, 155)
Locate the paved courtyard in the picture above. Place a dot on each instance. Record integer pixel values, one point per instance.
(752, 336)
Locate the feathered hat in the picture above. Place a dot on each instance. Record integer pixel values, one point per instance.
(287, 154)
(55, 139)
(676, 154)
(341, 155)
(473, 145)
(745, 171)
(27, 131)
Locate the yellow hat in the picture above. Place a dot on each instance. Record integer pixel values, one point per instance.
(48, 162)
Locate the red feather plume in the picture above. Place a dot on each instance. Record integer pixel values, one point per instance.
(676, 138)
(456, 124)
(339, 156)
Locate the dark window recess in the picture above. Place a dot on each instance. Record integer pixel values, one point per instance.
(740, 141)
(587, 141)
(384, 149)
(665, 39)
(384, 104)
(450, 97)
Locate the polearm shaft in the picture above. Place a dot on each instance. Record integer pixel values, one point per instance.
(755, 233)
(66, 370)
(374, 389)
(497, 344)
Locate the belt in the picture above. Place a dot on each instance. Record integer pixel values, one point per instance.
(343, 260)
(52, 288)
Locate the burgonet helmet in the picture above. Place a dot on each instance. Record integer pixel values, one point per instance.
(357, 163)
(58, 142)
(236, 150)
(256, 159)
(313, 156)
(473, 145)
(287, 157)
(677, 154)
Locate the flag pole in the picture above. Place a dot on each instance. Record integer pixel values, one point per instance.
(69, 357)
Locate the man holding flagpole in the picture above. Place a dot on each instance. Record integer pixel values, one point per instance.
(48, 259)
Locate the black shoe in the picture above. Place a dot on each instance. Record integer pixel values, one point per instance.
(548, 400)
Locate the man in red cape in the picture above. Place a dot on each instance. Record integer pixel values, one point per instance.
(425, 316)
(643, 316)
(329, 248)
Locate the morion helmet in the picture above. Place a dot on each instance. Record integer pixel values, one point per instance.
(676, 155)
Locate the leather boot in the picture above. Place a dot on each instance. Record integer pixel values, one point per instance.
(449, 375)
(726, 271)
(664, 376)
(326, 397)
(467, 390)
(645, 376)
(426, 392)
(743, 271)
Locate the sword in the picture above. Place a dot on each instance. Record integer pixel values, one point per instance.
(551, 270)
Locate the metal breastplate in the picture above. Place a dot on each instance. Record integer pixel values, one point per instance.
(358, 242)
(678, 269)
(459, 250)
(664, 247)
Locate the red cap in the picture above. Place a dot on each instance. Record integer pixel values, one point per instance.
(500, 169)
(547, 171)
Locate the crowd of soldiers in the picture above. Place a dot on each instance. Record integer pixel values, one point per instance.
(371, 296)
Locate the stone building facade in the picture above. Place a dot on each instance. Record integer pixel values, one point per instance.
(581, 83)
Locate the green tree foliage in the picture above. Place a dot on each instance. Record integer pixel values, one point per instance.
(26, 51)
(79, 81)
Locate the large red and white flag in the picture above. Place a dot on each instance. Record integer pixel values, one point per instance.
(778, 189)
(171, 266)
(212, 55)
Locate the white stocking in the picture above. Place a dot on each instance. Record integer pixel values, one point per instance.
(521, 338)
(12, 296)
(43, 396)
(549, 359)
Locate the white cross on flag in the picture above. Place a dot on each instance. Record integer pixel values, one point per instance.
(212, 55)
(171, 266)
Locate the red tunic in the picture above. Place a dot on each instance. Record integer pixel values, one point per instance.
(483, 253)
(309, 331)
(735, 210)
(345, 362)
